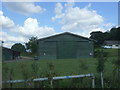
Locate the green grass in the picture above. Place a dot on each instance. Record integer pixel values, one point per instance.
(28, 54)
(112, 52)
(62, 66)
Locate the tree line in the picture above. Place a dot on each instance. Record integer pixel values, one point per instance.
(29, 47)
(100, 37)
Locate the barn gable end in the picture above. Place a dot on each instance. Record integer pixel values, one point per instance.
(65, 46)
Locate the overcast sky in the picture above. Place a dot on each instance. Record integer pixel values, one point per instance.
(20, 20)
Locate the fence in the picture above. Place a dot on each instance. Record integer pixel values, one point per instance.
(55, 78)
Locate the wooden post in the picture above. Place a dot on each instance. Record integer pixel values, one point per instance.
(51, 78)
(11, 73)
(51, 83)
(93, 82)
(102, 80)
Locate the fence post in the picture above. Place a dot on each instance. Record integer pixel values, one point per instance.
(93, 82)
(51, 83)
(102, 80)
(11, 77)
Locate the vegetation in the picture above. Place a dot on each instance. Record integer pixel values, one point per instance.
(18, 47)
(50, 68)
(32, 45)
(30, 50)
(100, 36)
(102, 58)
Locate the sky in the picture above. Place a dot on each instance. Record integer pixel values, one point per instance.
(22, 20)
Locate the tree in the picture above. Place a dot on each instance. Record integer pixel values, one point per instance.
(114, 33)
(98, 36)
(32, 45)
(18, 47)
(101, 57)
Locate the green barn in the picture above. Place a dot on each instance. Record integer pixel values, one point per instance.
(65, 46)
(9, 54)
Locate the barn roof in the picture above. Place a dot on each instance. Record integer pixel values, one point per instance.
(10, 49)
(67, 33)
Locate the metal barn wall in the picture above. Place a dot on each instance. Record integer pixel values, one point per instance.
(7, 54)
(65, 46)
(47, 50)
(84, 49)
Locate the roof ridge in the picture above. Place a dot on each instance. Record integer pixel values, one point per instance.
(66, 33)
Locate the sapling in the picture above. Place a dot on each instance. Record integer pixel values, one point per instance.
(101, 57)
(50, 74)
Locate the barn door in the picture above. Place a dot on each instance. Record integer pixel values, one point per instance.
(66, 50)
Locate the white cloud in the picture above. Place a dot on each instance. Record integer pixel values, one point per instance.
(9, 40)
(109, 25)
(58, 8)
(5, 22)
(79, 20)
(25, 8)
(31, 28)
(58, 11)
(7, 37)
(21, 34)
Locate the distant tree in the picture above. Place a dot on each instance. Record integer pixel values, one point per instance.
(32, 45)
(114, 33)
(98, 36)
(18, 47)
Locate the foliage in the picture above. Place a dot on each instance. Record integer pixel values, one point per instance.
(9, 76)
(18, 47)
(97, 36)
(101, 57)
(65, 67)
(100, 36)
(32, 44)
(116, 73)
(35, 73)
(25, 73)
(50, 74)
(35, 69)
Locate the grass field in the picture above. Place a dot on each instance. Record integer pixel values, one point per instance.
(62, 67)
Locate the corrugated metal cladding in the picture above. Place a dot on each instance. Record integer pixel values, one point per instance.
(65, 46)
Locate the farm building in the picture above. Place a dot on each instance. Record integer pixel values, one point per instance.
(111, 44)
(9, 54)
(65, 46)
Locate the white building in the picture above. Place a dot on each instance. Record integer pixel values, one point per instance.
(112, 44)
